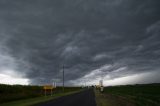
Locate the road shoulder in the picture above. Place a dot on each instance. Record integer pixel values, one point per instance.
(111, 100)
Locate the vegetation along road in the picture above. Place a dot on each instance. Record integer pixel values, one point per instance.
(128, 95)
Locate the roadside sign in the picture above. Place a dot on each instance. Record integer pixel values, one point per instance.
(48, 87)
(101, 82)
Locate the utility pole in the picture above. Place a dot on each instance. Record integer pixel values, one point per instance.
(63, 77)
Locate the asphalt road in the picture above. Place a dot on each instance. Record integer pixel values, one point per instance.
(83, 98)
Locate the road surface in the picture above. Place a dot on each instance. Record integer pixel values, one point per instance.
(83, 98)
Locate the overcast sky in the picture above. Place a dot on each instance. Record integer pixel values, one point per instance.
(117, 40)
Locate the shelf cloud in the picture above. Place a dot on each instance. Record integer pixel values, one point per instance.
(120, 38)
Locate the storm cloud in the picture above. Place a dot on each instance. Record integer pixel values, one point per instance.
(118, 37)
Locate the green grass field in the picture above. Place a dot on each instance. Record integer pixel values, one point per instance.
(141, 95)
(22, 94)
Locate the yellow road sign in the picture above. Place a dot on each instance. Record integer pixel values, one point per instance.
(48, 87)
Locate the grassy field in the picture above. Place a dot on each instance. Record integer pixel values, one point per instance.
(9, 93)
(140, 95)
(36, 100)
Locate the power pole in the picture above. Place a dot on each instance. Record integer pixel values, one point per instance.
(63, 78)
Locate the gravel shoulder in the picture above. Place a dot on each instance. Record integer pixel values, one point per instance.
(111, 100)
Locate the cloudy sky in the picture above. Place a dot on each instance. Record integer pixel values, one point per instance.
(114, 40)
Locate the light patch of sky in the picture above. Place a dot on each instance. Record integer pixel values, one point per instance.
(142, 78)
(101, 56)
(11, 77)
(6, 79)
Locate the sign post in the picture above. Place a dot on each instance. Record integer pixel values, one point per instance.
(48, 87)
(101, 85)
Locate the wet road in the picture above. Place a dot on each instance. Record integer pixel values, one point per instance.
(83, 98)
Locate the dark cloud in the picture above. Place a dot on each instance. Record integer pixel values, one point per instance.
(40, 36)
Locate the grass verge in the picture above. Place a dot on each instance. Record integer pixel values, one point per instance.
(101, 100)
(32, 101)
